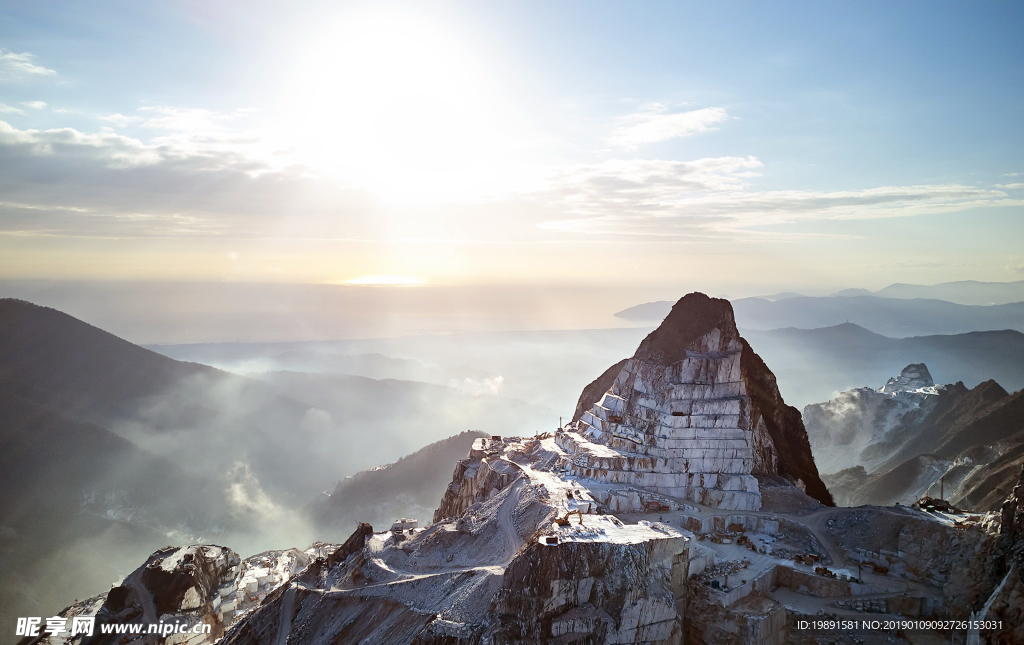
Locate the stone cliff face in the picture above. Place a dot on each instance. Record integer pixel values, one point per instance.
(1006, 604)
(784, 426)
(175, 585)
(592, 592)
(198, 587)
(694, 414)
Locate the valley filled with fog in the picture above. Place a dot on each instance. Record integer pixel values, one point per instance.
(113, 449)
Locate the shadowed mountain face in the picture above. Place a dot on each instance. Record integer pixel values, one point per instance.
(109, 450)
(79, 504)
(162, 405)
(410, 487)
(52, 358)
(596, 389)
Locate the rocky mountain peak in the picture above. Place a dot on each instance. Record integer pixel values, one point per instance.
(691, 318)
(913, 377)
(694, 414)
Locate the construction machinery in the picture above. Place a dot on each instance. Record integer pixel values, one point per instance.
(564, 521)
(654, 506)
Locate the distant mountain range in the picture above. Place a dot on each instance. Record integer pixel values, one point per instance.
(965, 444)
(888, 316)
(813, 364)
(964, 292)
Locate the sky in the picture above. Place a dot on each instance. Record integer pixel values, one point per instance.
(736, 147)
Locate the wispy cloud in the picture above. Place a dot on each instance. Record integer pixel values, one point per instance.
(119, 119)
(927, 265)
(121, 187)
(189, 119)
(711, 198)
(10, 109)
(14, 66)
(35, 105)
(215, 181)
(114, 149)
(656, 124)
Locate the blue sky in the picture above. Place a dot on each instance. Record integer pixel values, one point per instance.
(744, 145)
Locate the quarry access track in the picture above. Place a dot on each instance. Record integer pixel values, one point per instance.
(814, 522)
(511, 544)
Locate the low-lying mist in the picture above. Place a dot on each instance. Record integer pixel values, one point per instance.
(110, 452)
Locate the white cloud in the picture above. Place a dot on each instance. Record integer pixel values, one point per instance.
(656, 124)
(10, 109)
(14, 66)
(114, 149)
(35, 105)
(1010, 186)
(710, 198)
(114, 186)
(184, 119)
(217, 181)
(119, 119)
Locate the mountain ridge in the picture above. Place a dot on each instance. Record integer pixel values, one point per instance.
(894, 317)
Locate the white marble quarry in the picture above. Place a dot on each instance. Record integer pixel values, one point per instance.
(683, 430)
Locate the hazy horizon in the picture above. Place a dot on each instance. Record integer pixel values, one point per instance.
(177, 312)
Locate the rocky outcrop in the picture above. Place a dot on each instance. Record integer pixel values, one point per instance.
(595, 390)
(477, 478)
(1006, 574)
(596, 592)
(694, 414)
(867, 426)
(180, 585)
(353, 544)
(190, 595)
(913, 377)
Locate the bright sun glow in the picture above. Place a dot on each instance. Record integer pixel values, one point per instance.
(395, 104)
(385, 281)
